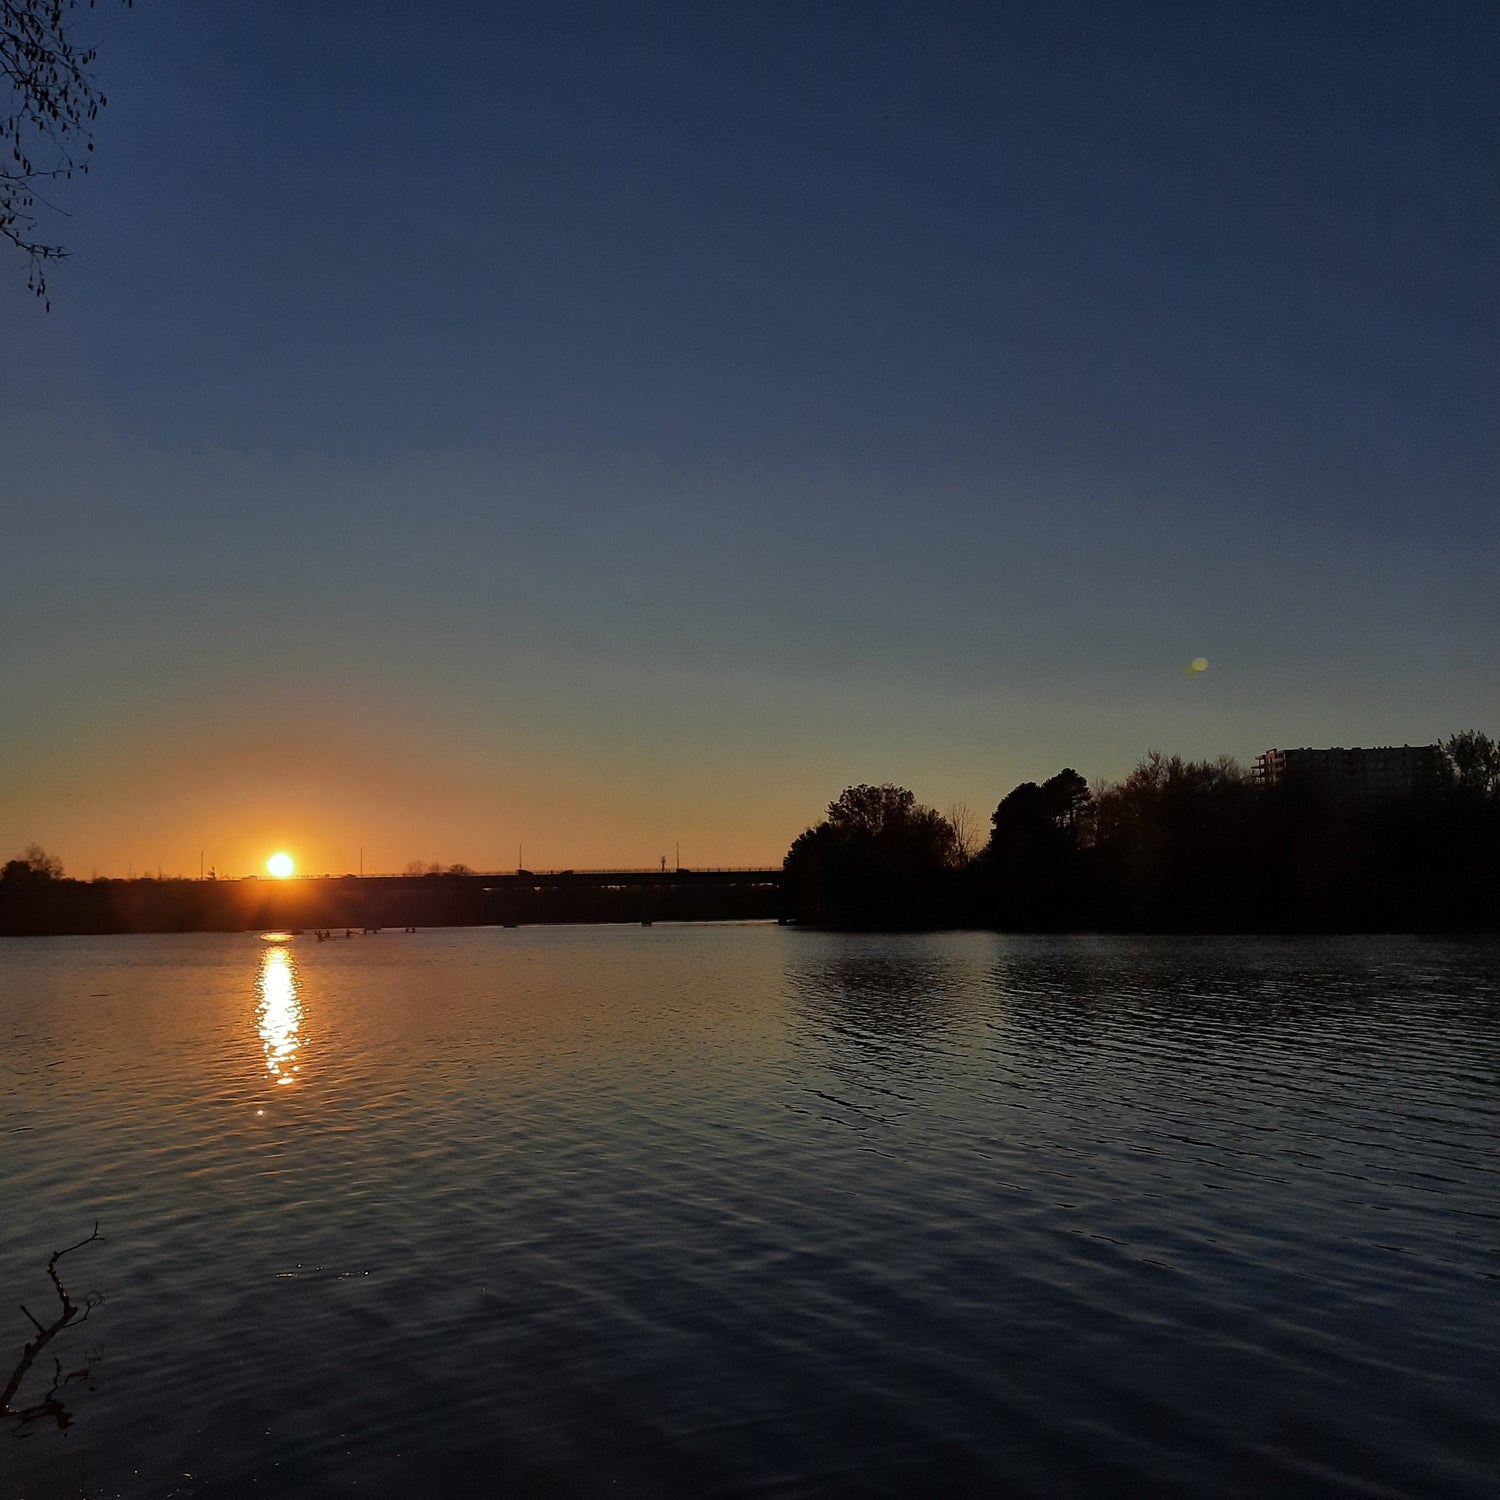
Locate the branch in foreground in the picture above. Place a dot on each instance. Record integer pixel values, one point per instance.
(51, 1404)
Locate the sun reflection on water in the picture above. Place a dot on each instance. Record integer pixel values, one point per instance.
(278, 1014)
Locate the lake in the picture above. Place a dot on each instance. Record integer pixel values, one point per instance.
(753, 1211)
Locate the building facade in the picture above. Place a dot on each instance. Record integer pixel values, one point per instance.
(1386, 771)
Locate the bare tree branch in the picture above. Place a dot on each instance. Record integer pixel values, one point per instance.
(51, 1404)
(966, 830)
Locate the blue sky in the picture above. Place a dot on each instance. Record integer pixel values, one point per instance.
(601, 428)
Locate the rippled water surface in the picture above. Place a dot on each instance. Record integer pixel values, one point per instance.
(735, 1211)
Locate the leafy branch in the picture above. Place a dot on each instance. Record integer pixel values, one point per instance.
(46, 135)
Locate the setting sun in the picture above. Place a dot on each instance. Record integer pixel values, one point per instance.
(281, 865)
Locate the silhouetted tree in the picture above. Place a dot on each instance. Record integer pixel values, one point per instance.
(1070, 805)
(1173, 846)
(869, 810)
(32, 864)
(45, 135)
(1033, 871)
(1453, 857)
(1471, 763)
(880, 859)
(965, 828)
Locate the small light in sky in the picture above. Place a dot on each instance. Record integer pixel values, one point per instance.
(281, 865)
(1200, 664)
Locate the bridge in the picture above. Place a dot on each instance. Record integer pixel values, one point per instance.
(519, 897)
(634, 878)
(512, 898)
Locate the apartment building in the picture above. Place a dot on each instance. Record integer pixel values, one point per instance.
(1385, 771)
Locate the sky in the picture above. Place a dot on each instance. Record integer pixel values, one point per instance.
(583, 433)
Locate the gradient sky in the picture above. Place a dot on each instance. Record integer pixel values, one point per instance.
(604, 428)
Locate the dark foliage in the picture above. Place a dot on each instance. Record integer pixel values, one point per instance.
(1176, 846)
(1173, 846)
(31, 865)
(1032, 874)
(880, 859)
(45, 133)
(1471, 765)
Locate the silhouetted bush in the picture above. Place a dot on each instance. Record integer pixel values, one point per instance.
(880, 859)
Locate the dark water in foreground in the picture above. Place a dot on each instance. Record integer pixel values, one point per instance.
(744, 1211)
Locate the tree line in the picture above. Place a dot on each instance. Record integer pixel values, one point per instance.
(1175, 846)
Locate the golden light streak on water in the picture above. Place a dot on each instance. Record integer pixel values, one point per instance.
(278, 1015)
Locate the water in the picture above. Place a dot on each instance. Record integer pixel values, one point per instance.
(745, 1211)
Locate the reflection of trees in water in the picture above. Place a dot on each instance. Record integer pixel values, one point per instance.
(1082, 988)
(885, 1007)
(1100, 1019)
(1244, 995)
(1282, 1064)
(51, 1403)
(879, 1008)
(874, 1010)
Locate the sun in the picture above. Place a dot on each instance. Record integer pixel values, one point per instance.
(281, 865)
